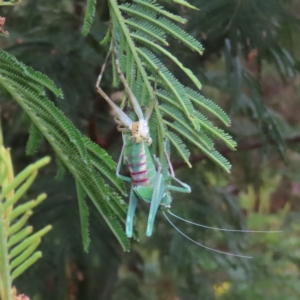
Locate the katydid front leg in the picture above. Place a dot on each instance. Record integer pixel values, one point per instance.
(152, 104)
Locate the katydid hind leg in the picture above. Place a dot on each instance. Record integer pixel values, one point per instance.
(150, 110)
(152, 103)
(184, 189)
(102, 69)
(157, 196)
(123, 119)
(131, 210)
(135, 104)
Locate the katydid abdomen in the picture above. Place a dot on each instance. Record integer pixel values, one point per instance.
(141, 167)
(143, 174)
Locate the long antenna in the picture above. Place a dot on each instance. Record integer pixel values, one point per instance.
(222, 229)
(203, 246)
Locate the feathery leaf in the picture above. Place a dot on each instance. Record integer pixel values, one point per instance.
(88, 16)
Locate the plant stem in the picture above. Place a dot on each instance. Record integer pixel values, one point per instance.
(4, 261)
(5, 279)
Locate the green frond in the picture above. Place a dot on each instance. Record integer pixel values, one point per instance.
(104, 164)
(88, 16)
(115, 203)
(43, 80)
(93, 185)
(149, 29)
(62, 122)
(179, 146)
(138, 10)
(215, 132)
(183, 3)
(143, 37)
(10, 60)
(175, 114)
(158, 48)
(163, 23)
(179, 34)
(34, 140)
(68, 143)
(17, 242)
(205, 140)
(166, 96)
(84, 216)
(159, 9)
(208, 105)
(130, 66)
(197, 139)
(118, 205)
(153, 134)
(61, 169)
(14, 76)
(106, 38)
(14, 66)
(171, 83)
(212, 154)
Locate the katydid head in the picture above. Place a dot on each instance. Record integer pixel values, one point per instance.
(140, 132)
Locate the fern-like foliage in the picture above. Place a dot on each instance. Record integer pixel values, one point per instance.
(139, 33)
(91, 166)
(17, 242)
(89, 15)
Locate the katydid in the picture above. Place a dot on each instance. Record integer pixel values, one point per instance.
(148, 182)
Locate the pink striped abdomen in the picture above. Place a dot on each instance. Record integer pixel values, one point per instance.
(137, 163)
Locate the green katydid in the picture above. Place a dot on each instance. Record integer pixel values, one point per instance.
(148, 182)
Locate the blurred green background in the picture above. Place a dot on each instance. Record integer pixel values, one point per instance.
(250, 67)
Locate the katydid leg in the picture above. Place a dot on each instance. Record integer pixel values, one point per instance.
(123, 119)
(185, 188)
(151, 105)
(134, 102)
(102, 69)
(150, 109)
(157, 196)
(125, 178)
(130, 213)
